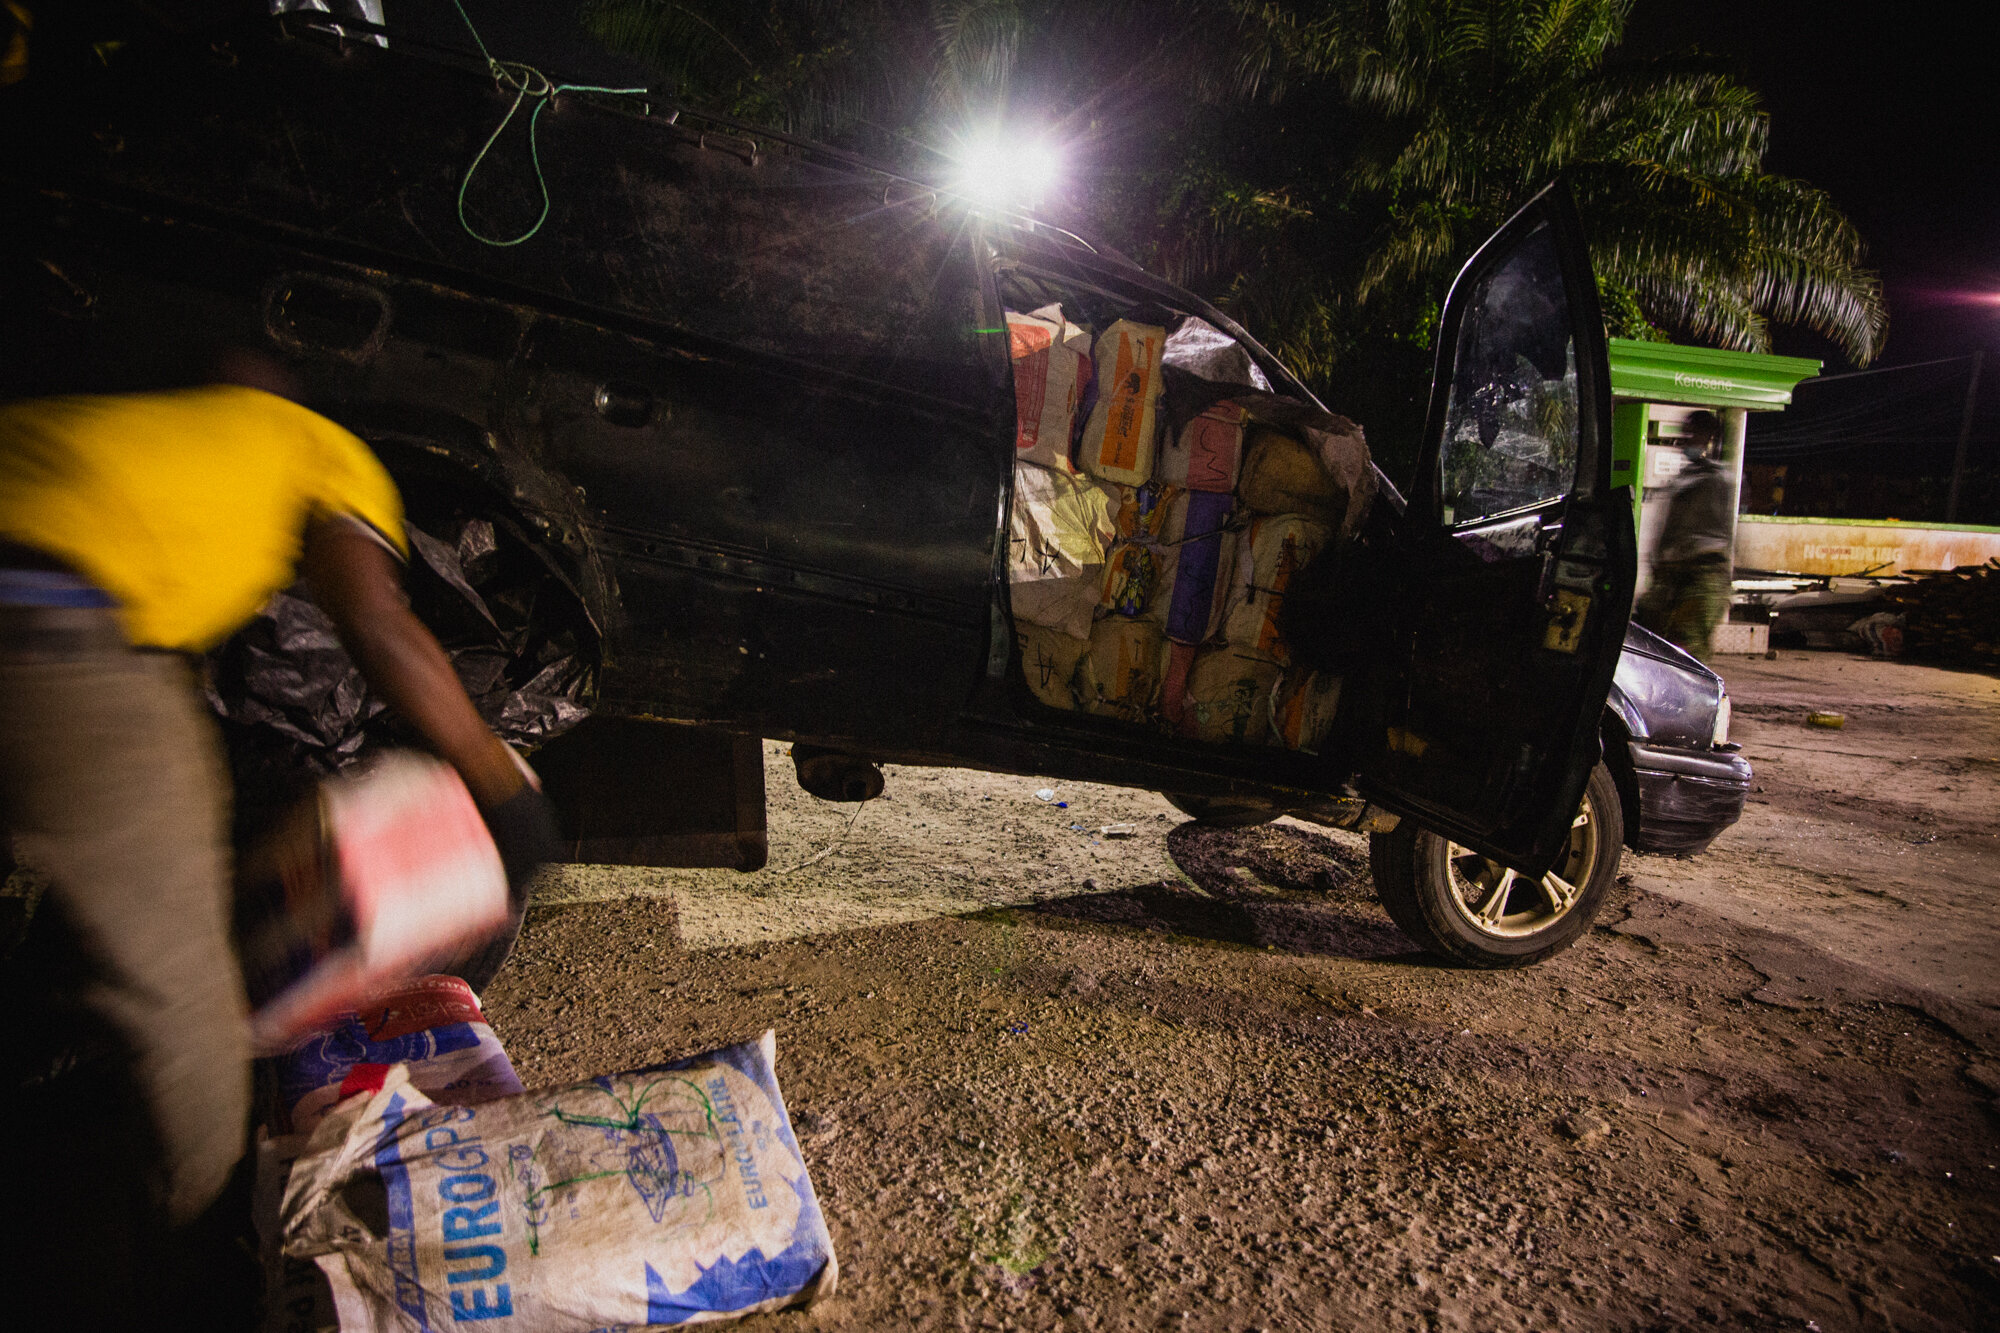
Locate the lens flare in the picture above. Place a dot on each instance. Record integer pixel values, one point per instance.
(998, 169)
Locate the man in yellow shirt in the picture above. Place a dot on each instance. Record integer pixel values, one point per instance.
(135, 530)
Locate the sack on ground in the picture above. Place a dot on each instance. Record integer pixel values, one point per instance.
(434, 1028)
(433, 1025)
(1051, 367)
(1059, 530)
(1120, 438)
(666, 1195)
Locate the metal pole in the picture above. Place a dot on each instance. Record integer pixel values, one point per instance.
(1964, 437)
(1735, 421)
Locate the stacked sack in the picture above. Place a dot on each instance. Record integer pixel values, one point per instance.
(1164, 501)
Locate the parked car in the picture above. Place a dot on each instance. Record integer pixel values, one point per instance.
(746, 405)
(1669, 782)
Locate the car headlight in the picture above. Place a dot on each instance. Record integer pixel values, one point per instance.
(1721, 736)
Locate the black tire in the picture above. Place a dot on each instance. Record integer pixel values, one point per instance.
(1425, 881)
(1223, 811)
(478, 966)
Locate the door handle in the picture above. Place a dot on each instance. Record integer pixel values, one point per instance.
(1547, 540)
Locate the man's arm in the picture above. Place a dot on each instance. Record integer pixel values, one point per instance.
(356, 582)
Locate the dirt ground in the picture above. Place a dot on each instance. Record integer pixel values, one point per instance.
(1047, 1077)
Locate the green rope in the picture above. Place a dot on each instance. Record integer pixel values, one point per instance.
(526, 81)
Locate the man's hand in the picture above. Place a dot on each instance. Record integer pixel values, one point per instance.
(356, 582)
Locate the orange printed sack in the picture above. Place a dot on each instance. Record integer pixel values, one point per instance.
(1119, 441)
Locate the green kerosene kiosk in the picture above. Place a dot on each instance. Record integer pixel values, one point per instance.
(1655, 386)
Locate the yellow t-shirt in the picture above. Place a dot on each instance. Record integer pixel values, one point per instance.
(188, 507)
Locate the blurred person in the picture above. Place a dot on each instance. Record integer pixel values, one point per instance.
(137, 530)
(1689, 592)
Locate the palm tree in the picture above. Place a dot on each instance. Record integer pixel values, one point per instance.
(1480, 102)
(812, 67)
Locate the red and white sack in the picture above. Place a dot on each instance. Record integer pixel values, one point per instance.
(1051, 359)
(400, 872)
(433, 1029)
(1207, 454)
(431, 1024)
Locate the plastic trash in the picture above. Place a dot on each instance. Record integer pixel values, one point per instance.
(1118, 830)
(1831, 721)
(1198, 349)
(295, 709)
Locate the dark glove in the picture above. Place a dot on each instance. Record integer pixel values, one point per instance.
(524, 830)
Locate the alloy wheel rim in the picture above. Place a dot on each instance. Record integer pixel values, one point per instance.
(1507, 905)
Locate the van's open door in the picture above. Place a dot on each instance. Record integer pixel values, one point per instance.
(1517, 579)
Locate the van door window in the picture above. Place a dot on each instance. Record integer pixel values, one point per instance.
(1511, 428)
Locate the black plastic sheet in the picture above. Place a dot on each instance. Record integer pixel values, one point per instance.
(294, 708)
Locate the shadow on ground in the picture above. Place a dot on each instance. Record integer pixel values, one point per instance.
(1274, 886)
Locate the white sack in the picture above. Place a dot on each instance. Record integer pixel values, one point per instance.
(1059, 531)
(674, 1194)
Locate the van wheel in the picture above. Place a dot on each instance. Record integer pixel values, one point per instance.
(477, 966)
(1223, 811)
(1476, 912)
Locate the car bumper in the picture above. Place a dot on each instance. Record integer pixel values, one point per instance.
(1686, 797)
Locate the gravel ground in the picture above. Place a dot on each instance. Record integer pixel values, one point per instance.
(1050, 1078)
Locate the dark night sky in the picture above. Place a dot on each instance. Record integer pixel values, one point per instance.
(1894, 110)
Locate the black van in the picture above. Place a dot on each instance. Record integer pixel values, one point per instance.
(748, 404)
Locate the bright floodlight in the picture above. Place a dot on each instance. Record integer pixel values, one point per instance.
(998, 170)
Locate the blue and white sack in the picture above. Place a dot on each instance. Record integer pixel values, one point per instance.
(669, 1195)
